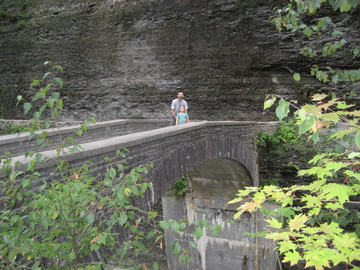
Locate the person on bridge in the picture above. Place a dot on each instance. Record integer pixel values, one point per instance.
(175, 107)
(182, 117)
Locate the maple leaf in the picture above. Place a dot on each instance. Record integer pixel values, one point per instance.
(315, 211)
(354, 254)
(287, 201)
(298, 222)
(341, 133)
(318, 171)
(315, 186)
(316, 97)
(312, 109)
(318, 264)
(316, 158)
(286, 246)
(292, 256)
(284, 236)
(334, 206)
(326, 106)
(311, 201)
(337, 258)
(320, 243)
(332, 228)
(311, 230)
(341, 192)
(274, 223)
(333, 117)
(335, 166)
(249, 206)
(344, 241)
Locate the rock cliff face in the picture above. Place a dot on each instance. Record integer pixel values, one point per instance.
(128, 59)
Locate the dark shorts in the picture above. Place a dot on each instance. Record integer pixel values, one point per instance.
(172, 121)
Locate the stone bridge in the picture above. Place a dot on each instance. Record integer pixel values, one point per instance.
(174, 150)
(219, 158)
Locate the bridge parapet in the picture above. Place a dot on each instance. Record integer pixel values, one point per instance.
(18, 144)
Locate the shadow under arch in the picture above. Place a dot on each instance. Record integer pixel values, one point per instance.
(215, 182)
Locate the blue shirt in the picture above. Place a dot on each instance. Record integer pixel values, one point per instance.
(182, 118)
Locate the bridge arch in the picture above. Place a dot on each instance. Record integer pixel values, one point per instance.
(199, 145)
(214, 183)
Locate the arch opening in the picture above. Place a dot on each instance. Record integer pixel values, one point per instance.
(215, 182)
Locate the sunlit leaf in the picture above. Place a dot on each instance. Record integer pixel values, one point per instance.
(269, 102)
(282, 110)
(334, 117)
(59, 67)
(152, 214)
(292, 256)
(297, 222)
(285, 246)
(345, 6)
(274, 223)
(319, 97)
(296, 77)
(312, 109)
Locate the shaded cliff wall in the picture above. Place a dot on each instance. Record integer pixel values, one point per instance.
(128, 59)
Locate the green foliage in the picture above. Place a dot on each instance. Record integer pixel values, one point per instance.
(285, 134)
(59, 223)
(179, 188)
(302, 16)
(269, 182)
(18, 9)
(310, 226)
(312, 222)
(265, 139)
(14, 128)
(2, 12)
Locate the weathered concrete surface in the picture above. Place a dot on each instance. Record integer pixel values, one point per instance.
(206, 199)
(174, 151)
(127, 59)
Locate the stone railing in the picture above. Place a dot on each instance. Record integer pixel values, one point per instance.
(18, 144)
